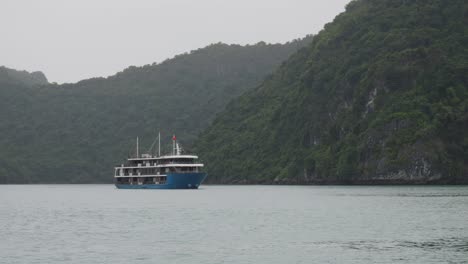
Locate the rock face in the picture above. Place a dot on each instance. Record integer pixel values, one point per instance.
(380, 96)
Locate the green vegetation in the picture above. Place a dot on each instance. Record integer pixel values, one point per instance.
(379, 96)
(79, 132)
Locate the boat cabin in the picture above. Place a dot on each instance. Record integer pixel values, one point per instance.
(149, 169)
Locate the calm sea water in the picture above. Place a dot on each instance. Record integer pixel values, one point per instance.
(233, 224)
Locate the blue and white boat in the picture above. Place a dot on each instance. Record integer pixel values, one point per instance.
(147, 171)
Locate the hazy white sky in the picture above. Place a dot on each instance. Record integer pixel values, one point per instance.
(73, 40)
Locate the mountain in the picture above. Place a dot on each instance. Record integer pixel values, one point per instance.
(79, 132)
(10, 76)
(380, 96)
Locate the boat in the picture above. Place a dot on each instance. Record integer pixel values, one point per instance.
(148, 171)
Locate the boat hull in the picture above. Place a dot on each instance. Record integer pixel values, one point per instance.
(174, 181)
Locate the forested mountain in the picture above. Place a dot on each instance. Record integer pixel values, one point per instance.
(379, 96)
(10, 76)
(78, 132)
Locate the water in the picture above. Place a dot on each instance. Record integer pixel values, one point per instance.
(233, 224)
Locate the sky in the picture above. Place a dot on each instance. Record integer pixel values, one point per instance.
(73, 40)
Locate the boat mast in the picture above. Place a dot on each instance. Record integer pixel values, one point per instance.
(173, 145)
(137, 154)
(159, 144)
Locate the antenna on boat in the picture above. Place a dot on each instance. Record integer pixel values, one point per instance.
(137, 154)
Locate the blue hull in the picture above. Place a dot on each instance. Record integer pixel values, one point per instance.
(174, 181)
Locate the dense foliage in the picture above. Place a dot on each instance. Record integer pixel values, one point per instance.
(379, 96)
(78, 132)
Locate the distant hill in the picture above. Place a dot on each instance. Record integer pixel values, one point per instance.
(79, 132)
(379, 96)
(22, 77)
